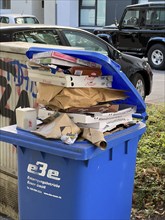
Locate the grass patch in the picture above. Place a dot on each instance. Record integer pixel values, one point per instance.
(149, 188)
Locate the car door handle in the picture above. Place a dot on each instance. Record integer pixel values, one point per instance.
(129, 33)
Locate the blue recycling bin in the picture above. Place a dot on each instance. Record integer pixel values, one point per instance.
(79, 181)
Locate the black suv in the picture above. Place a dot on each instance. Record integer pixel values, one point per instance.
(140, 32)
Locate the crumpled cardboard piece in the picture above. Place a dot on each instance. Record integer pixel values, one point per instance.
(95, 108)
(62, 125)
(95, 137)
(64, 98)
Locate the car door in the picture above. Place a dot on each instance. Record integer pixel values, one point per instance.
(153, 25)
(128, 34)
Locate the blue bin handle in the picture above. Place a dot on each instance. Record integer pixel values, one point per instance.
(142, 116)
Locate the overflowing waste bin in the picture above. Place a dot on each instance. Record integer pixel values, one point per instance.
(80, 180)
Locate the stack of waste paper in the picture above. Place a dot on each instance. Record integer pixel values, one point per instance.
(76, 100)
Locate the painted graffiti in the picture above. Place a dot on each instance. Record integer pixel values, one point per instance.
(16, 89)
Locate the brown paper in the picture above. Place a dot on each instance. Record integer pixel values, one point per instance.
(61, 125)
(64, 98)
(95, 137)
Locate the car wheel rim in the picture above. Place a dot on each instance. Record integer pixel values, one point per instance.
(140, 87)
(157, 57)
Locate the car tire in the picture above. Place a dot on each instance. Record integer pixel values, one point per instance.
(138, 81)
(156, 57)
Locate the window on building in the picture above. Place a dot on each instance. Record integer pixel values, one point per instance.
(5, 4)
(92, 13)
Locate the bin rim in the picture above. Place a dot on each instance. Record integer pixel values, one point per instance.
(80, 150)
(109, 67)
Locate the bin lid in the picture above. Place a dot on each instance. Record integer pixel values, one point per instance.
(109, 67)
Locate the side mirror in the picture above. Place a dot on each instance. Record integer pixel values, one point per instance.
(105, 37)
(117, 54)
(116, 23)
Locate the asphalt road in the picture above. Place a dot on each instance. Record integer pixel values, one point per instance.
(157, 95)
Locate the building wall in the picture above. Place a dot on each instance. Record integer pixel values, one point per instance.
(5, 11)
(50, 12)
(54, 12)
(67, 12)
(37, 10)
(23, 6)
(114, 10)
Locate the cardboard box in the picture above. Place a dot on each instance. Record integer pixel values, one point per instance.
(103, 121)
(26, 118)
(70, 81)
(54, 57)
(94, 117)
(79, 71)
(104, 126)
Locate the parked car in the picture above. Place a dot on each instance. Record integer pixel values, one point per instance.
(18, 19)
(136, 69)
(140, 32)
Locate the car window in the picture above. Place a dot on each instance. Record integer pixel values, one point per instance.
(19, 37)
(4, 20)
(155, 17)
(131, 18)
(5, 36)
(26, 20)
(38, 36)
(78, 39)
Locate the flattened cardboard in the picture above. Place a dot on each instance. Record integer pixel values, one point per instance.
(60, 126)
(96, 108)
